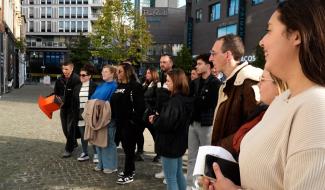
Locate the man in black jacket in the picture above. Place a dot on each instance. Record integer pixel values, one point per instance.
(204, 90)
(64, 87)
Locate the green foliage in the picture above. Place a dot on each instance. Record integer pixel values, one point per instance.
(183, 60)
(20, 44)
(260, 58)
(120, 33)
(79, 51)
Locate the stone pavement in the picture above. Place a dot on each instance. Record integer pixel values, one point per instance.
(31, 146)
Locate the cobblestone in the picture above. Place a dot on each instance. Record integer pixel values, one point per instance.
(31, 146)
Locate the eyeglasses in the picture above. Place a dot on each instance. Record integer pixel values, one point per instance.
(83, 75)
(265, 79)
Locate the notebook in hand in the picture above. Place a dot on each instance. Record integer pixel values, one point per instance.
(229, 169)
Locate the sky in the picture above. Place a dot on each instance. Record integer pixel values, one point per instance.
(181, 3)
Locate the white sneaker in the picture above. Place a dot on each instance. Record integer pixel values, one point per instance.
(160, 175)
(165, 182)
(95, 159)
(109, 171)
(83, 157)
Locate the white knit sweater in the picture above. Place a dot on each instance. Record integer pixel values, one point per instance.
(286, 150)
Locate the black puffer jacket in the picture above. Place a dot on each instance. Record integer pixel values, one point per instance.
(172, 126)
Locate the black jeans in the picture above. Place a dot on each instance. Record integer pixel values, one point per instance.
(128, 139)
(69, 129)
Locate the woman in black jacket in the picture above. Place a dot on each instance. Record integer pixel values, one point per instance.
(172, 128)
(81, 94)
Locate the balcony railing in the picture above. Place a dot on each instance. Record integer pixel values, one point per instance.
(46, 45)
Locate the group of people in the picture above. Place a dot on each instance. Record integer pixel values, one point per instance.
(271, 120)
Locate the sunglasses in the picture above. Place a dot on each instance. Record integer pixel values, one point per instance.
(83, 75)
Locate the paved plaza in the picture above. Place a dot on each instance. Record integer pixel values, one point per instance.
(31, 146)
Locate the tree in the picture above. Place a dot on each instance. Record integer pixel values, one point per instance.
(79, 51)
(120, 33)
(184, 60)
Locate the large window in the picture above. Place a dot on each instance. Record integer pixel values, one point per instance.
(67, 1)
(85, 12)
(79, 12)
(31, 2)
(85, 26)
(79, 26)
(73, 26)
(67, 26)
(67, 12)
(215, 12)
(198, 15)
(42, 26)
(31, 26)
(49, 2)
(85, 2)
(79, 1)
(61, 12)
(49, 12)
(49, 24)
(31, 12)
(230, 29)
(61, 1)
(73, 1)
(73, 12)
(255, 2)
(43, 12)
(61, 26)
(233, 7)
(43, 2)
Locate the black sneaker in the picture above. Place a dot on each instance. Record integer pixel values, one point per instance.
(121, 174)
(124, 180)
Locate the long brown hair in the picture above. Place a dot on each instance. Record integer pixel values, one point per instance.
(180, 82)
(308, 18)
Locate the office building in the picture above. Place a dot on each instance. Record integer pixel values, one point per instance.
(208, 20)
(51, 26)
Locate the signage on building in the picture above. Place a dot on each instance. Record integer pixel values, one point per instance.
(157, 11)
(248, 58)
(242, 19)
(189, 36)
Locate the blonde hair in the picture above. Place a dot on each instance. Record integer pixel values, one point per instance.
(281, 85)
(112, 69)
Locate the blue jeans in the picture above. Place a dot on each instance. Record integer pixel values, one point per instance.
(174, 173)
(107, 157)
(84, 143)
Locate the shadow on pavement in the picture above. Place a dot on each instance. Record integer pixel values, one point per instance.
(37, 164)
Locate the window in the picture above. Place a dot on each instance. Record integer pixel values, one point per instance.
(230, 29)
(43, 2)
(42, 26)
(73, 1)
(255, 2)
(85, 12)
(61, 1)
(49, 12)
(67, 12)
(42, 12)
(79, 26)
(67, 1)
(31, 2)
(49, 24)
(215, 12)
(73, 12)
(85, 26)
(61, 12)
(31, 26)
(73, 26)
(61, 26)
(31, 12)
(233, 7)
(198, 15)
(79, 1)
(79, 12)
(49, 2)
(85, 2)
(67, 26)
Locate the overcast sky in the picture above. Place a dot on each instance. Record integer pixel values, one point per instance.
(181, 3)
